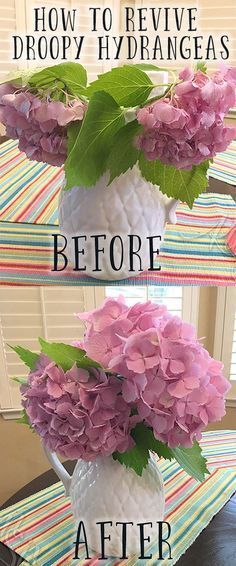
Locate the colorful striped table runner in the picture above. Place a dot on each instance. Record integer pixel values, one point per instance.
(28, 190)
(194, 251)
(224, 165)
(41, 530)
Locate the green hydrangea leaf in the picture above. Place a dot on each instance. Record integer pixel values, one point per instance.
(20, 380)
(87, 160)
(181, 184)
(123, 153)
(136, 458)
(144, 436)
(192, 461)
(150, 67)
(202, 66)
(71, 75)
(72, 134)
(29, 358)
(66, 356)
(24, 419)
(128, 85)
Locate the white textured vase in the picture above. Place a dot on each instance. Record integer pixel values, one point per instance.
(105, 490)
(129, 206)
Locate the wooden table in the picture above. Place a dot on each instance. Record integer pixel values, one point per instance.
(217, 186)
(215, 546)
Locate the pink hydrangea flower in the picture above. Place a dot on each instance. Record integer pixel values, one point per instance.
(140, 352)
(78, 413)
(104, 316)
(187, 128)
(39, 125)
(168, 376)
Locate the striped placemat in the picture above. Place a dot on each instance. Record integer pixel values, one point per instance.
(194, 251)
(224, 165)
(41, 529)
(28, 190)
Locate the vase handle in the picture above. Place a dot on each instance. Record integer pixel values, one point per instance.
(171, 211)
(59, 469)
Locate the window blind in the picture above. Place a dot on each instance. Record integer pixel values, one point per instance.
(214, 18)
(219, 18)
(89, 52)
(10, 23)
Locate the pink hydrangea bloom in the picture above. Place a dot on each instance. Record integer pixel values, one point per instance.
(176, 387)
(78, 413)
(39, 125)
(188, 127)
(155, 371)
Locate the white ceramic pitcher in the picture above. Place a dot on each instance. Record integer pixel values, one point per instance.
(130, 206)
(105, 490)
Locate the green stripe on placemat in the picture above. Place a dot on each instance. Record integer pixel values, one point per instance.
(40, 528)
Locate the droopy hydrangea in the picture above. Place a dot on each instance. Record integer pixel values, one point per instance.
(168, 376)
(78, 413)
(187, 127)
(39, 125)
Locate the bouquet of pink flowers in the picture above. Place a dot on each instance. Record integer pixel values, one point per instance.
(57, 119)
(140, 381)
